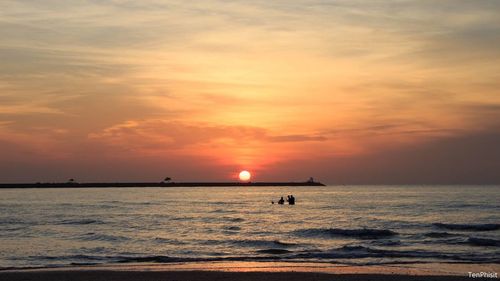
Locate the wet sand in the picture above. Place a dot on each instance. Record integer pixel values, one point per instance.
(244, 271)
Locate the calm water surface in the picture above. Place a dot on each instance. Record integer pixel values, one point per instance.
(344, 224)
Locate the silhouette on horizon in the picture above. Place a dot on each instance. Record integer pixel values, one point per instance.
(167, 181)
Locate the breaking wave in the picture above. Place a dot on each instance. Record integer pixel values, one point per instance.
(362, 233)
(474, 241)
(263, 243)
(274, 251)
(440, 234)
(81, 221)
(468, 227)
(91, 236)
(361, 252)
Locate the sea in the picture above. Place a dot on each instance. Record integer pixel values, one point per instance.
(352, 225)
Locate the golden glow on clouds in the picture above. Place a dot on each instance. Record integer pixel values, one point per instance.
(245, 84)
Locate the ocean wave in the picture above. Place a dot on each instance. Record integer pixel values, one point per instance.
(263, 243)
(362, 233)
(354, 253)
(361, 252)
(156, 259)
(274, 251)
(210, 242)
(474, 241)
(357, 251)
(224, 203)
(285, 244)
(168, 259)
(217, 211)
(440, 234)
(91, 236)
(71, 258)
(185, 218)
(468, 227)
(386, 242)
(232, 228)
(95, 259)
(80, 221)
(169, 241)
(233, 219)
(118, 259)
(12, 228)
(8, 221)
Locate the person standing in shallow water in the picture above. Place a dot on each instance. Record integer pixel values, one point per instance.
(281, 201)
(291, 200)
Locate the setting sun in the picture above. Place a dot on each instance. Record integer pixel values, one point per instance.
(245, 176)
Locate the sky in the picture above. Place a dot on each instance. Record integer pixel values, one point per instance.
(345, 91)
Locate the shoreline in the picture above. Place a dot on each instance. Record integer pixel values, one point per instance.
(152, 184)
(249, 271)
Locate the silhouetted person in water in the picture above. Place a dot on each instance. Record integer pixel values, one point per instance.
(281, 201)
(291, 200)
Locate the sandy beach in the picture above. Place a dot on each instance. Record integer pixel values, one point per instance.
(205, 276)
(248, 271)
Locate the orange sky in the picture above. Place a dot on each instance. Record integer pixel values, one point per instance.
(347, 91)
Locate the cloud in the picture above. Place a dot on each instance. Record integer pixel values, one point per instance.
(158, 135)
(297, 138)
(456, 159)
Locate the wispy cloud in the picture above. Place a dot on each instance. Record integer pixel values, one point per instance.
(160, 135)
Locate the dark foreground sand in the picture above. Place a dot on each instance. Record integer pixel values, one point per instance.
(106, 275)
(246, 271)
